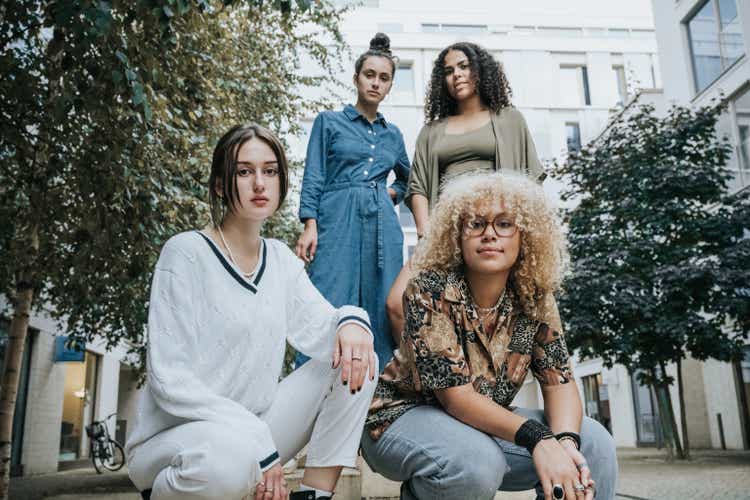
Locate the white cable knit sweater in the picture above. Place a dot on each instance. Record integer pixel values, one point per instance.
(217, 341)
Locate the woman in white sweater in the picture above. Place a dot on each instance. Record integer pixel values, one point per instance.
(214, 421)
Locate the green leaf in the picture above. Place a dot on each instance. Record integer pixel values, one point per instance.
(138, 96)
(122, 57)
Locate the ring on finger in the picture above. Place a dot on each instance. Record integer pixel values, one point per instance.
(356, 358)
(582, 465)
(558, 493)
(579, 487)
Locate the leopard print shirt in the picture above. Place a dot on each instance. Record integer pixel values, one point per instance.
(444, 345)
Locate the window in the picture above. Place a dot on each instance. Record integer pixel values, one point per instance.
(561, 32)
(643, 33)
(403, 82)
(741, 108)
(524, 30)
(574, 84)
(455, 28)
(715, 40)
(391, 27)
(597, 400)
(358, 3)
(573, 136)
(622, 84)
(618, 33)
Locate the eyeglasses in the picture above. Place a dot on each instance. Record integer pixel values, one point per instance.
(504, 227)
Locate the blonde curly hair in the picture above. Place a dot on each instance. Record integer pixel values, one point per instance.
(543, 255)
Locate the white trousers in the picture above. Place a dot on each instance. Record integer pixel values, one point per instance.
(204, 460)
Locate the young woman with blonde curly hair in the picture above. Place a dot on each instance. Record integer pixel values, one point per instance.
(477, 308)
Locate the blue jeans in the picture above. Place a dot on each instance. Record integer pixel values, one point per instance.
(439, 457)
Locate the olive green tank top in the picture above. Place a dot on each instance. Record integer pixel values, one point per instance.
(473, 151)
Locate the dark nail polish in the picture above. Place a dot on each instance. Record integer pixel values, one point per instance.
(353, 392)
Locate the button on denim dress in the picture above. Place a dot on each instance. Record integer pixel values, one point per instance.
(360, 240)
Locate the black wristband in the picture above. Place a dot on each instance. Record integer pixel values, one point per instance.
(530, 433)
(572, 435)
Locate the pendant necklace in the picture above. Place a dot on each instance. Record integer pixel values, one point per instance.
(231, 256)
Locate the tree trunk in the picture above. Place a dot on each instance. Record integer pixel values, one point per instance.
(19, 327)
(666, 427)
(671, 416)
(683, 412)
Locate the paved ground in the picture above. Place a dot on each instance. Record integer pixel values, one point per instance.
(644, 475)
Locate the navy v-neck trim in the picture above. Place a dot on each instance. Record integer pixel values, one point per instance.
(250, 286)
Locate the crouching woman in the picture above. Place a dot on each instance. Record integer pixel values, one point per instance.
(480, 314)
(214, 422)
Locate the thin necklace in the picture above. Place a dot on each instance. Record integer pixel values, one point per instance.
(231, 256)
(484, 312)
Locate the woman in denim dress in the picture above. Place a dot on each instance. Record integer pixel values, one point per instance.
(352, 238)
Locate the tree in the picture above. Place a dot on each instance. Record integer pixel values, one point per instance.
(108, 114)
(659, 263)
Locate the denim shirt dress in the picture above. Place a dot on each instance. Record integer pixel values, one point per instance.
(360, 241)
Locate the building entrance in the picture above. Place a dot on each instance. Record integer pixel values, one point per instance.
(79, 401)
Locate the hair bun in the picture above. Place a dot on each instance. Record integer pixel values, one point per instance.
(381, 43)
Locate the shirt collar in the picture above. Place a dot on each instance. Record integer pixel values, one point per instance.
(457, 290)
(352, 113)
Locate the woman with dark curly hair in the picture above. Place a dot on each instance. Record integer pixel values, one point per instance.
(470, 126)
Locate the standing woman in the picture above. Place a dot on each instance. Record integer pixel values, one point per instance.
(213, 421)
(352, 238)
(470, 126)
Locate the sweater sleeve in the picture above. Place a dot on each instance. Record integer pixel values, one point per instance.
(312, 321)
(172, 351)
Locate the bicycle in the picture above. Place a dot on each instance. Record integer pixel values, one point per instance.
(105, 452)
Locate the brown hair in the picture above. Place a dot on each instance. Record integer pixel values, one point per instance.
(224, 167)
(380, 46)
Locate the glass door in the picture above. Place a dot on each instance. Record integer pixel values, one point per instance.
(79, 401)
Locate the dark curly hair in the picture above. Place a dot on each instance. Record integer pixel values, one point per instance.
(493, 86)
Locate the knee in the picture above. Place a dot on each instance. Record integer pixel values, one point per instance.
(227, 471)
(597, 444)
(468, 479)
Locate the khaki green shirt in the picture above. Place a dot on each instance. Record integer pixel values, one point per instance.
(514, 150)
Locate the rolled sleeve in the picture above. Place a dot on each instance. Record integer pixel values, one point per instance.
(402, 172)
(418, 182)
(550, 361)
(313, 179)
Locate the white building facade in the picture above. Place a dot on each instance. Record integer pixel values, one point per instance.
(703, 48)
(58, 397)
